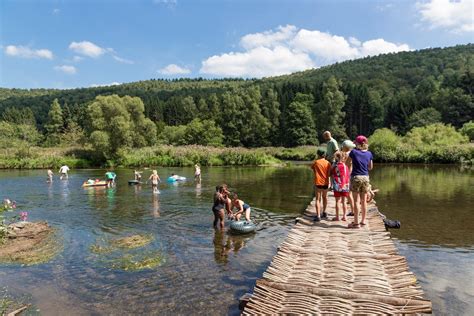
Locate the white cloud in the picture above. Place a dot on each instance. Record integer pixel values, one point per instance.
(26, 52)
(87, 48)
(173, 69)
(257, 62)
(324, 45)
(95, 85)
(70, 70)
(268, 38)
(166, 2)
(77, 59)
(457, 16)
(288, 49)
(381, 46)
(56, 11)
(123, 60)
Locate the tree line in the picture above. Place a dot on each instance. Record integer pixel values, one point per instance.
(396, 91)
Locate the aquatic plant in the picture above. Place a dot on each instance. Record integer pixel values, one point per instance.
(123, 253)
(136, 262)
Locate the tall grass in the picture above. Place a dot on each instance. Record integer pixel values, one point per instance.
(190, 155)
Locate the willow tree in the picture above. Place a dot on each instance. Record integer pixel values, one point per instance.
(118, 123)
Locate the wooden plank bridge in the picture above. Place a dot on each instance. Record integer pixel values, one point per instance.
(326, 268)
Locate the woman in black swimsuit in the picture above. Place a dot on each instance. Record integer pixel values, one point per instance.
(220, 204)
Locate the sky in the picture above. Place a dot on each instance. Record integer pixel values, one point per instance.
(68, 44)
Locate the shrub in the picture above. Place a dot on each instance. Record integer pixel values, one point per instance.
(385, 145)
(468, 130)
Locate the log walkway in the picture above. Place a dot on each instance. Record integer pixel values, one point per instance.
(326, 268)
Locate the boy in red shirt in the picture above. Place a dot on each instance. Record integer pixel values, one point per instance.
(321, 168)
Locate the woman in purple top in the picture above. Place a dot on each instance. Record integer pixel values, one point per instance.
(361, 159)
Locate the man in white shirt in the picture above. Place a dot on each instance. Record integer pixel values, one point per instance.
(63, 172)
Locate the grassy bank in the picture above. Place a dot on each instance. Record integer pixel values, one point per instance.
(171, 156)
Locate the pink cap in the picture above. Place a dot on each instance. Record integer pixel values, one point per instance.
(361, 139)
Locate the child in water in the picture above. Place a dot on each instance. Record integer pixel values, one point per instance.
(197, 173)
(155, 178)
(340, 176)
(50, 176)
(241, 207)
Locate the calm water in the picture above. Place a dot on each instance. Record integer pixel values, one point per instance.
(205, 272)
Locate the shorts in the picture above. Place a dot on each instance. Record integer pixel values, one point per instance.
(360, 184)
(341, 194)
(321, 187)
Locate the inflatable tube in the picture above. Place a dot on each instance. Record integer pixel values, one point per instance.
(134, 182)
(95, 184)
(243, 227)
(175, 179)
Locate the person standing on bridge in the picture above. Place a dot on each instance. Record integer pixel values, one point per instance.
(331, 146)
(346, 148)
(361, 159)
(321, 168)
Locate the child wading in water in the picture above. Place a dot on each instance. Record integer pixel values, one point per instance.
(50, 176)
(361, 159)
(241, 207)
(155, 178)
(321, 168)
(340, 176)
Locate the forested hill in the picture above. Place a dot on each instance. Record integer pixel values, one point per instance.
(399, 91)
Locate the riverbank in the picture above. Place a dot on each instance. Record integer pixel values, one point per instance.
(182, 156)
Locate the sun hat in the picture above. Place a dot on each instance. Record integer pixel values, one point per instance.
(348, 144)
(361, 139)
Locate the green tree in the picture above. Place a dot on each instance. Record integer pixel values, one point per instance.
(424, 117)
(203, 132)
(271, 111)
(19, 116)
(468, 130)
(299, 128)
(55, 123)
(119, 122)
(436, 134)
(330, 115)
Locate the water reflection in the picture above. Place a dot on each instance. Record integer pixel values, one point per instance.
(225, 243)
(213, 267)
(434, 203)
(156, 205)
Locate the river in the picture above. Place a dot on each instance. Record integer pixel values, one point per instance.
(203, 271)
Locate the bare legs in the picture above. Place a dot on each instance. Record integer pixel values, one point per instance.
(341, 200)
(363, 207)
(219, 218)
(321, 195)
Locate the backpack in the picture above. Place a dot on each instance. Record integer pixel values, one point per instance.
(337, 181)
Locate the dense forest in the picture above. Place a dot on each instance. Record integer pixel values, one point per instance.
(397, 91)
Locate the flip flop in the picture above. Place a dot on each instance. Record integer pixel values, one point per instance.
(362, 224)
(335, 219)
(353, 225)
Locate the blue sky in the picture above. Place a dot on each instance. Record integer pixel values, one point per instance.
(67, 44)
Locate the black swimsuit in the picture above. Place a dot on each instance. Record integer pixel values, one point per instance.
(218, 203)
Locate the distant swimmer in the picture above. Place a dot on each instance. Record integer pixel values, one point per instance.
(110, 176)
(197, 173)
(50, 176)
(138, 175)
(63, 172)
(155, 179)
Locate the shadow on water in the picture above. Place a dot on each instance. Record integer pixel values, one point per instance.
(205, 271)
